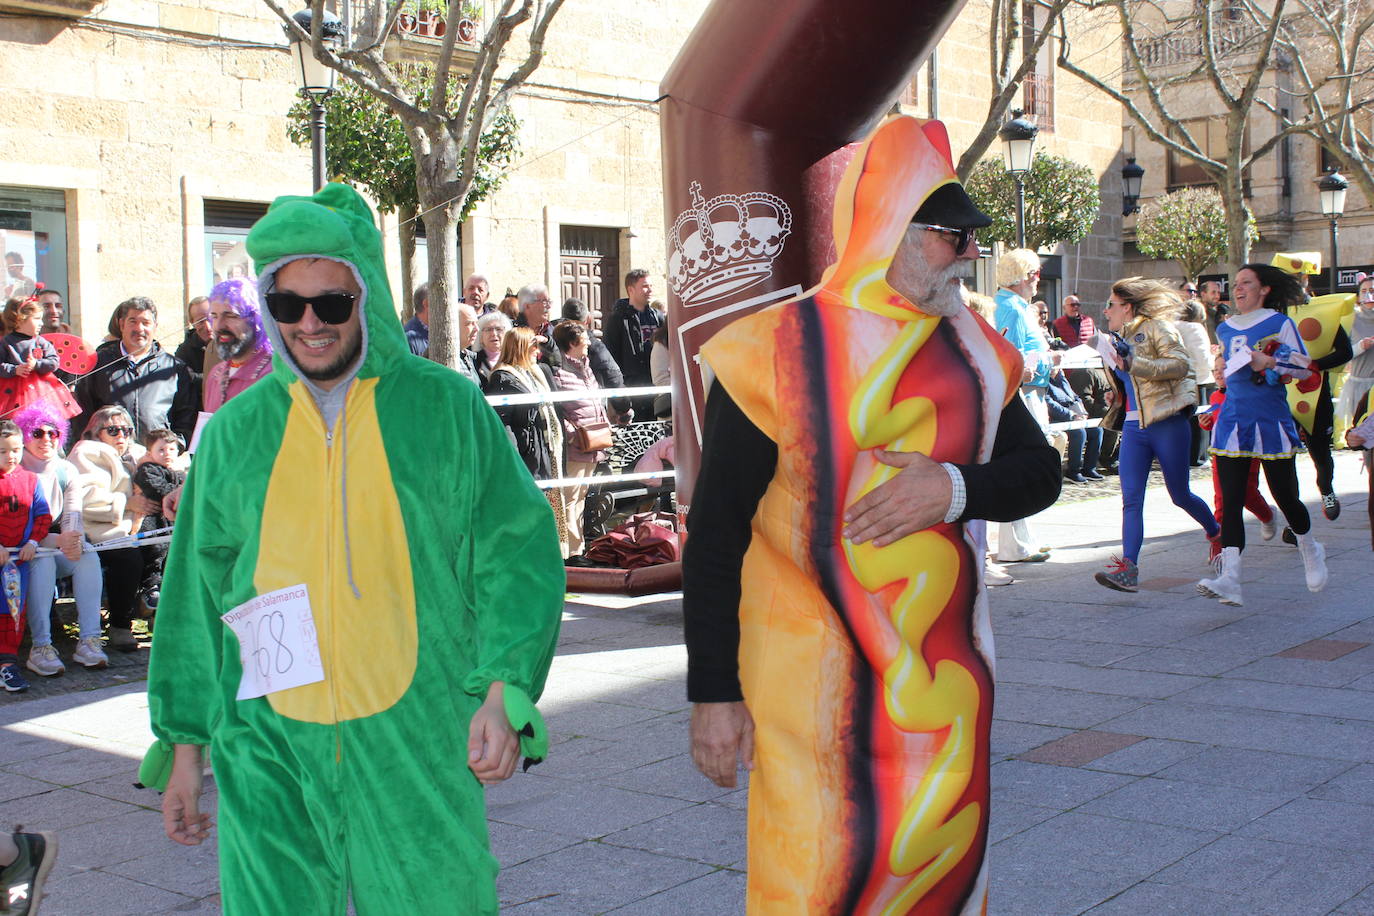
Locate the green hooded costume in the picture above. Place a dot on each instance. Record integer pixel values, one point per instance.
(433, 569)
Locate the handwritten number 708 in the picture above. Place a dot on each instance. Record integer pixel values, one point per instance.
(263, 655)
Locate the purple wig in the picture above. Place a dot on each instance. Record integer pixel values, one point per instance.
(242, 294)
(40, 414)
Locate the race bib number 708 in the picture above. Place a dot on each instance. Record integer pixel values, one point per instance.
(277, 642)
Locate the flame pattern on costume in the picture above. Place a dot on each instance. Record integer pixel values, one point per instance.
(931, 837)
(867, 670)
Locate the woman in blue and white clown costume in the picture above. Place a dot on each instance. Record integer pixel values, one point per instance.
(1255, 420)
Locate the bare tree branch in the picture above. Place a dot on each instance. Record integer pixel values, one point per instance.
(1006, 84)
(395, 101)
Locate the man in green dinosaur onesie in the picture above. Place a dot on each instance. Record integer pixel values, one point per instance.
(378, 491)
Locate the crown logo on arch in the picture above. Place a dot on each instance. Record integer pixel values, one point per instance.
(733, 242)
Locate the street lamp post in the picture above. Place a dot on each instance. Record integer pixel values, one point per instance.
(1018, 150)
(316, 78)
(1332, 186)
(1131, 176)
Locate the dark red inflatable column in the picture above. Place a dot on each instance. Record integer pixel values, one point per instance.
(762, 105)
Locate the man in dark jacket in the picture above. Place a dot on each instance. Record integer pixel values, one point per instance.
(603, 365)
(417, 328)
(137, 374)
(629, 336)
(534, 314)
(192, 349)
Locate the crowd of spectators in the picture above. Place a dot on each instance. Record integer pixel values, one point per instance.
(135, 414)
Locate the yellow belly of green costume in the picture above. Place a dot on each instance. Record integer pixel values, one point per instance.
(368, 637)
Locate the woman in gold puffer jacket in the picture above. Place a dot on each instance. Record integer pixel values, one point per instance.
(1156, 392)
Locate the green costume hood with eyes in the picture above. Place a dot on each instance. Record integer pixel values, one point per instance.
(432, 568)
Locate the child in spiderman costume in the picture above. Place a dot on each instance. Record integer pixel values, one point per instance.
(24, 521)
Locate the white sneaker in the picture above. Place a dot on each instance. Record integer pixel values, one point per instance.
(994, 574)
(89, 654)
(43, 661)
(1269, 529)
(1225, 587)
(1313, 562)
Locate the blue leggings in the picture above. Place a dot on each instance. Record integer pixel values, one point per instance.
(1167, 441)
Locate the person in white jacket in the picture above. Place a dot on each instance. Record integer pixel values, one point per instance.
(1192, 327)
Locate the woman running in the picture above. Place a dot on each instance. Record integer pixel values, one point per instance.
(1156, 386)
(1263, 351)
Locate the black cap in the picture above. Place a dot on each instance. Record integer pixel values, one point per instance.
(950, 206)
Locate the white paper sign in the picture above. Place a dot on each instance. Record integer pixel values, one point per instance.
(277, 642)
(1238, 360)
(1107, 350)
(201, 419)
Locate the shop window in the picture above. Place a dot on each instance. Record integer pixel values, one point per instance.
(33, 238)
(226, 227)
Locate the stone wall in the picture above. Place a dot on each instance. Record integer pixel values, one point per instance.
(138, 113)
(143, 110)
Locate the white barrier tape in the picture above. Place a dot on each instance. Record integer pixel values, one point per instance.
(506, 400)
(1075, 424)
(607, 478)
(116, 544)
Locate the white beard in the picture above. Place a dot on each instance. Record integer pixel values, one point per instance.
(943, 297)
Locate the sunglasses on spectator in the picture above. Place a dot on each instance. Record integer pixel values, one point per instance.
(45, 433)
(961, 238)
(117, 430)
(331, 308)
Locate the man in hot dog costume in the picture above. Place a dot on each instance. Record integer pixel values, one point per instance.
(837, 630)
(382, 486)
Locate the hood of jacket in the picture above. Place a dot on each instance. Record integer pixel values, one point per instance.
(337, 224)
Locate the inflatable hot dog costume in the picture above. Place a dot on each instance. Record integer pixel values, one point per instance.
(870, 789)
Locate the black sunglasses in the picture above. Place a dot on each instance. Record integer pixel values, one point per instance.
(118, 430)
(962, 238)
(331, 308)
(44, 433)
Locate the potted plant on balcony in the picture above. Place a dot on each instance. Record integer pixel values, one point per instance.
(430, 19)
(470, 11)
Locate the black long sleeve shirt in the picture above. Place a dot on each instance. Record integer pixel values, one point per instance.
(737, 464)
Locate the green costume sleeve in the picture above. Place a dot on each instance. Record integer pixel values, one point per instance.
(528, 724)
(184, 693)
(516, 568)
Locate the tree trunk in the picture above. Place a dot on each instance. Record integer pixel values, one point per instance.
(406, 229)
(442, 191)
(441, 239)
(1237, 238)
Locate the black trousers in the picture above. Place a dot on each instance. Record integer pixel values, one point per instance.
(123, 575)
(1319, 440)
(1282, 476)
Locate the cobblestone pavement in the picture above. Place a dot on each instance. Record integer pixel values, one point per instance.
(1152, 753)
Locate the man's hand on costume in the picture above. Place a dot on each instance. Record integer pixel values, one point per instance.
(181, 816)
(27, 552)
(170, 502)
(722, 734)
(915, 499)
(493, 748)
(1354, 439)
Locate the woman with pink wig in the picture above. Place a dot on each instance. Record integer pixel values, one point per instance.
(45, 433)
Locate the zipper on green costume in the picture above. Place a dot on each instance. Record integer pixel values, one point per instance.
(329, 580)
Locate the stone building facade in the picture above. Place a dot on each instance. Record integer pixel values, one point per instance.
(151, 133)
(1075, 120)
(1281, 187)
